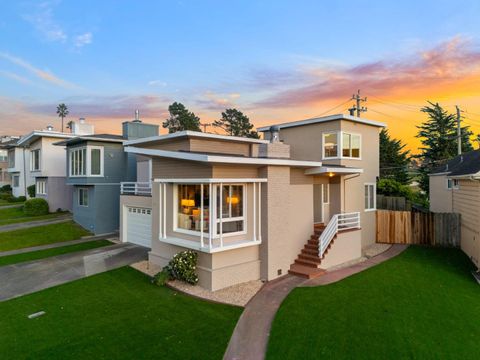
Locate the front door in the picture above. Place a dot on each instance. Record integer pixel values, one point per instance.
(321, 201)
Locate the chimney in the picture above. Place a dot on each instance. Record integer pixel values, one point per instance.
(274, 134)
(81, 120)
(276, 148)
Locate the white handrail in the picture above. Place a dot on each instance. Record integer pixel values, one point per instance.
(136, 188)
(338, 222)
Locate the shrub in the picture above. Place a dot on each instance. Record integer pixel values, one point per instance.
(17, 199)
(182, 267)
(161, 278)
(31, 191)
(6, 189)
(6, 196)
(35, 207)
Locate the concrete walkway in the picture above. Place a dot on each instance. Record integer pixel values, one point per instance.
(29, 224)
(250, 337)
(29, 277)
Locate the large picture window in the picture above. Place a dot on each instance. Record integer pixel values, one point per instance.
(191, 200)
(229, 209)
(35, 160)
(86, 161)
(330, 145)
(341, 145)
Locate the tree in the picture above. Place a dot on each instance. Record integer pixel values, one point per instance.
(62, 112)
(438, 136)
(235, 123)
(394, 159)
(181, 119)
(70, 125)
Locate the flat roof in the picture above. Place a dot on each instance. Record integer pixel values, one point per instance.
(197, 134)
(324, 119)
(223, 159)
(34, 135)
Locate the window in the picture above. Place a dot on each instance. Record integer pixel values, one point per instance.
(41, 187)
(330, 145)
(370, 197)
(229, 209)
(83, 196)
(350, 145)
(325, 193)
(11, 159)
(16, 180)
(35, 160)
(453, 184)
(3, 155)
(190, 208)
(86, 161)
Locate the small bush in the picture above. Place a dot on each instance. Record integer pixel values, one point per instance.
(182, 267)
(161, 278)
(6, 189)
(31, 191)
(5, 196)
(14, 199)
(35, 207)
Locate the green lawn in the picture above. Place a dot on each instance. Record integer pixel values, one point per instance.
(41, 235)
(41, 254)
(16, 215)
(114, 315)
(6, 203)
(422, 304)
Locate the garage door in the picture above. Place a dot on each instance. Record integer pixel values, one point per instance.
(139, 226)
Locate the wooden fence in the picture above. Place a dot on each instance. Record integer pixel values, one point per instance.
(407, 227)
(397, 203)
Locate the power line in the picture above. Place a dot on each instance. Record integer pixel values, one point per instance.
(334, 108)
(357, 107)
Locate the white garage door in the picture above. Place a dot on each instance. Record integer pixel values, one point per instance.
(139, 226)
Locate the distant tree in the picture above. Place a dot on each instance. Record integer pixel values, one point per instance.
(70, 125)
(181, 119)
(438, 136)
(62, 112)
(235, 123)
(394, 159)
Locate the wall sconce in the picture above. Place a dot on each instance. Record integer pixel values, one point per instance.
(330, 174)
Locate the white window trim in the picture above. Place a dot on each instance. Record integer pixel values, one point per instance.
(41, 190)
(453, 186)
(326, 187)
(88, 200)
(374, 196)
(13, 181)
(32, 160)
(88, 165)
(340, 145)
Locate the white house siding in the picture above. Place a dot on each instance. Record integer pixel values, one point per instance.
(440, 196)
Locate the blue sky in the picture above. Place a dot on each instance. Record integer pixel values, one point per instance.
(105, 58)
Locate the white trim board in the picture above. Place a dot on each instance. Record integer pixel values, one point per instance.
(222, 159)
(337, 170)
(209, 181)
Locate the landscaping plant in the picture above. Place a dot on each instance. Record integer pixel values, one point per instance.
(6, 189)
(182, 267)
(35, 207)
(31, 191)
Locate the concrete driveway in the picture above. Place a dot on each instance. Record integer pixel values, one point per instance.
(25, 278)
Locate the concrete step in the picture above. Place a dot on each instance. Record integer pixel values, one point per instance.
(305, 271)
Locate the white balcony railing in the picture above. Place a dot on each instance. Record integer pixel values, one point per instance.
(136, 188)
(338, 222)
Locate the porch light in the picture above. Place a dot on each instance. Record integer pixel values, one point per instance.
(188, 202)
(330, 174)
(232, 200)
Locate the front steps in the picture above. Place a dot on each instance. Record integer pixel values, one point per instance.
(307, 264)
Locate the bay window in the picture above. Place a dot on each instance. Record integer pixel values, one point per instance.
(341, 145)
(86, 161)
(229, 212)
(193, 208)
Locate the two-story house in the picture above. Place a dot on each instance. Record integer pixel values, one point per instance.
(96, 165)
(18, 168)
(47, 163)
(301, 200)
(5, 143)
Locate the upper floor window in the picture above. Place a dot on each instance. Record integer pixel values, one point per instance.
(11, 159)
(452, 184)
(16, 180)
(35, 160)
(86, 161)
(341, 145)
(3, 155)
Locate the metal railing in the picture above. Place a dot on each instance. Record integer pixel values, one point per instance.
(136, 188)
(338, 222)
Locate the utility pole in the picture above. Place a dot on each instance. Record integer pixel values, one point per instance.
(357, 107)
(205, 126)
(459, 130)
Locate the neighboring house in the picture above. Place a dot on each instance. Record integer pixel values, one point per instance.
(5, 143)
(47, 164)
(249, 206)
(18, 168)
(96, 165)
(455, 187)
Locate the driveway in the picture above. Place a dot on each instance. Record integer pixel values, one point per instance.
(25, 278)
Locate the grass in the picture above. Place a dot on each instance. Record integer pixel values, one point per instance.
(41, 235)
(6, 203)
(16, 215)
(115, 315)
(41, 254)
(422, 304)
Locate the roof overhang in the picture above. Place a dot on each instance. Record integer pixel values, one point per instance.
(221, 159)
(34, 135)
(475, 176)
(335, 170)
(325, 119)
(80, 139)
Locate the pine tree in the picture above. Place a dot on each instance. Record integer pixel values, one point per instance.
(394, 159)
(235, 123)
(181, 119)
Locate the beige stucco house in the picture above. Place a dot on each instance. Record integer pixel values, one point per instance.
(455, 187)
(300, 200)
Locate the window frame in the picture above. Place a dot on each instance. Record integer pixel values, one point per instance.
(18, 181)
(242, 218)
(43, 187)
(374, 187)
(32, 160)
(453, 184)
(87, 159)
(325, 190)
(340, 145)
(85, 191)
(11, 159)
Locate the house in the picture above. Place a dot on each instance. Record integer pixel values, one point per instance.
(455, 187)
(96, 165)
(47, 163)
(5, 143)
(18, 167)
(299, 201)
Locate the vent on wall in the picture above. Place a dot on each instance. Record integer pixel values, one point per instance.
(279, 272)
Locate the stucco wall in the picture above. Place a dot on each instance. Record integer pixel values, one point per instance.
(347, 246)
(59, 194)
(440, 196)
